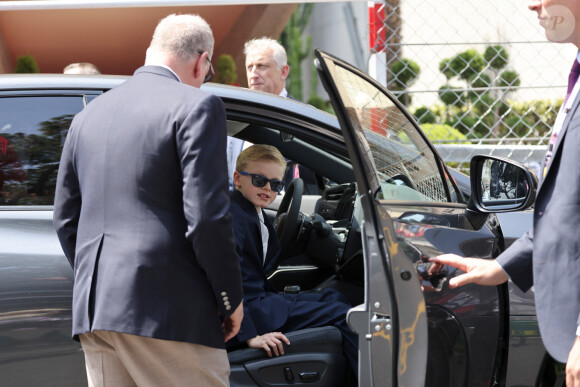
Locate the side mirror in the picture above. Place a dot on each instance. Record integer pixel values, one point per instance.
(501, 185)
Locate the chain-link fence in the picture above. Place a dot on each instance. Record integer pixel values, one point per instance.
(480, 77)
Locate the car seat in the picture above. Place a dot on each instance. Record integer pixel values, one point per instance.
(314, 358)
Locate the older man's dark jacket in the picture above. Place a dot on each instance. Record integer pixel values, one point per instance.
(142, 212)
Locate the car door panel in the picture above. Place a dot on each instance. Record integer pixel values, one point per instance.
(474, 310)
(411, 204)
(396, 329)
(35, 309)
(36, 280)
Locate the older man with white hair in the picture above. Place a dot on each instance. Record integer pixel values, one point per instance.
(266, 66)
(141, 200)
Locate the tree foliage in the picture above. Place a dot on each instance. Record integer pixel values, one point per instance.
(479, 107)
(296, 49)
(527, 121)
(404, 72)
(464, 65)
(42, 150)
(226, 70)
(497, 56)
(443, 133)
(454, 96)
(509, 79)
(424, 115)
(26, 65)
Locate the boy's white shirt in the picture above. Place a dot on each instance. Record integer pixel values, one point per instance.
(265, 235)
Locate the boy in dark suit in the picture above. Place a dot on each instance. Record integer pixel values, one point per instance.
(258, 180)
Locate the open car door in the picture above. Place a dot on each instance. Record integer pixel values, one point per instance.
(392, 322)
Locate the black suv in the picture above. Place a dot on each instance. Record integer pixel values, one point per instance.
(385, 203)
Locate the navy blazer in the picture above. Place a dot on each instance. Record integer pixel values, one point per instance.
(264, 310)
(548, 257)
(142, 212)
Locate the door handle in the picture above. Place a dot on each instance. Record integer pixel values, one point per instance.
(433, 273)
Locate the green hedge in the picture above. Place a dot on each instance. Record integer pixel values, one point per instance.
(491, 118)
(444, 133)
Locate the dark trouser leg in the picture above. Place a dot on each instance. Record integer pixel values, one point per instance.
(327, 308)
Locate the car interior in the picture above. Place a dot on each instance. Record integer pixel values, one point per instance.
(321, 245)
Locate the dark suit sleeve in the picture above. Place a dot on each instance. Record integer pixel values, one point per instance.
(517, 261)
(67, 199)
(201, 144)
(248, 329)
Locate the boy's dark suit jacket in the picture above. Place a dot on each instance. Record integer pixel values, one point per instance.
(548, 257)
(142, 212)
(264, 310)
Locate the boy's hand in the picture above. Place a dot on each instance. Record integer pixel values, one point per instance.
(269, 341)
(232, 323)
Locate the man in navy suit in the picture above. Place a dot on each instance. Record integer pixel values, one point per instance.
(142, 214)
(548, 256)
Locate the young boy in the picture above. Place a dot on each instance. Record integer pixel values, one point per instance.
(258, 180)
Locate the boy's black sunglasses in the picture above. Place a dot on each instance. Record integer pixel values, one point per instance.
(260, 181)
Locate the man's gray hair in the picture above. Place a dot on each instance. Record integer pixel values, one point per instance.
(261, 44)
(183, 36)
(81, 68)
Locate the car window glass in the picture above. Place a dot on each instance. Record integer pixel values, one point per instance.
(405, 165)
(455, 196)
(312, 180)
(308, 176)
(32, 133)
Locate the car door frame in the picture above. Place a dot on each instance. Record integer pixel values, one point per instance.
(392, 323)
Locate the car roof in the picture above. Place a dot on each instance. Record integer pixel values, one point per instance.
(289, 105)
(59, 81)
(24, 82)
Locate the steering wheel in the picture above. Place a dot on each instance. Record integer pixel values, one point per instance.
(286, 222)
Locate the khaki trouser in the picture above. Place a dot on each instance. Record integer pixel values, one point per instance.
(118, 360)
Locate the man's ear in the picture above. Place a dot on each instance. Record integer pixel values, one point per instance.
(285, 71)
(198, 67)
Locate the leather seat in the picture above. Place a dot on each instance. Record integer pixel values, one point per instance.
(314, 358)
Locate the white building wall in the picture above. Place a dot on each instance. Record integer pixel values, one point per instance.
(341, 29)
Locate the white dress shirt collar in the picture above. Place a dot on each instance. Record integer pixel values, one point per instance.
(166, 67)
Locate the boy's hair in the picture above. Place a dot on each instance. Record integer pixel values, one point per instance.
(259, 152)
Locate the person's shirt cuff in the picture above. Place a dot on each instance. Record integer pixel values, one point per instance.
(504, 270)
(578, 331)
